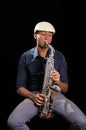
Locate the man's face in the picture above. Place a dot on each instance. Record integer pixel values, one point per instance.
(43, 37)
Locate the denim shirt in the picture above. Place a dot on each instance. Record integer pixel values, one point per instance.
(31, 69)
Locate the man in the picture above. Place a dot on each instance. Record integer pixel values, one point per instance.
(30, 79)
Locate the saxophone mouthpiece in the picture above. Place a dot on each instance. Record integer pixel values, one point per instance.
(46, 44)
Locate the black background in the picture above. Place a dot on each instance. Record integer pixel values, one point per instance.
(17, 25)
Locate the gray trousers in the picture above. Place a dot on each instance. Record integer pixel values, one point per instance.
(26, 110)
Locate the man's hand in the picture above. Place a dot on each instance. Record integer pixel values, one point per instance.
(38, 98)
(55, 75)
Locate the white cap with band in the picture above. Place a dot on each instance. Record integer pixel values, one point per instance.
(44, 26)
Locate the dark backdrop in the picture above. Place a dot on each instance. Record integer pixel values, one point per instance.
(18, 23)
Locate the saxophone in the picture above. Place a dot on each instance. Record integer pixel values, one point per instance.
(48, 87)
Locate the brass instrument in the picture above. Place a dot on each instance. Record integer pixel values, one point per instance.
(48, 87)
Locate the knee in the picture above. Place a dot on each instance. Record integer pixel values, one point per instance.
(11, 122)
(81, 124)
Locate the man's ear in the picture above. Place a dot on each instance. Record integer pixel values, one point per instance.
(35, 35)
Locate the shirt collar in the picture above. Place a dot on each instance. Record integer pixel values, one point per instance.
(36, 54)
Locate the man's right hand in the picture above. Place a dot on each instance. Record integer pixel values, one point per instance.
(38, 98)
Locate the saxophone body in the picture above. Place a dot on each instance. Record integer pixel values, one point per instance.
(48, 87)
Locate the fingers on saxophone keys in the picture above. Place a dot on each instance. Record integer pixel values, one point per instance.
(40, 99)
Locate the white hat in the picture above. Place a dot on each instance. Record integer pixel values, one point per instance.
(44, 26)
